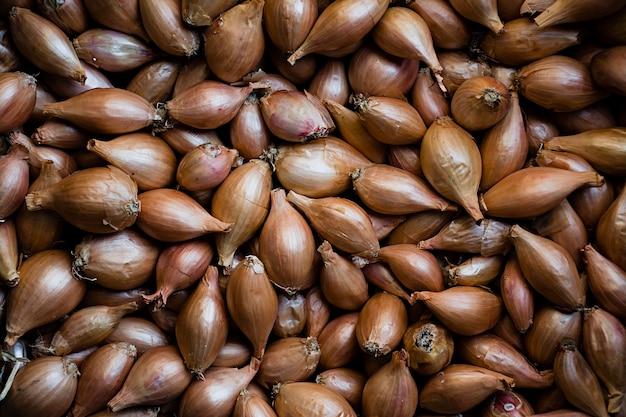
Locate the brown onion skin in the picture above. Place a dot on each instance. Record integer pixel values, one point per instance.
(317, 309)
(9, 255)
(428, 98)
(549, 328)
(346, 381)
(457, 308)
(252, 302)
(88, 327)
(19, 94)
(56, 55)
(144, 334)
(47, 277)
(158, 376)
(603, 341)
(611, 231)
(217, 390)
(163, 22)
(319, 168)
(448, 29)
(460, 387)
(517, 295)
(286, 244)
(598, 115)
(330, 82)
(397, 75)
(559, 83)
(15, 179)
(234, 43)
(249, 134)
(539, 41)
(381, 324)
(504, 147)
(590, 203)
(492, 352)
(113, 51)
(572, 372)
(480, 103)
(102, 375)
(288, 23)
(606, 281)
(147, 159)
(338, 343)
(308, 398)
(122, 16)
(430, 346)
(243, 198)
(391, 381)
(39, 230)
(323, 36)
(458, 178)
(117, 261)
(288, 359)
(202, 324)
(291, 317)
(44, 386)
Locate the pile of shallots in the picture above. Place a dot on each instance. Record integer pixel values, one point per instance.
(313, 208)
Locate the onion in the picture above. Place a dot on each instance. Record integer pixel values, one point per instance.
(202, 324)
(46, 277)
(391, 390)
(252, 302)
(55, 55)
(44, 386)
(234, 42)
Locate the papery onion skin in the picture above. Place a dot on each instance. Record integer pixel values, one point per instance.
(459, 387)
(113, 51)
(492, 352)
(480, 103)
(549, 269)
(324, 36)
(308, 398)
(577, 380)
(56, 55)
(252, 302)
(18, 93)
(606, 281)
(122, 16)
(234, 42)
(319, 168)
(106, 110)
(558, 83)
(603, 341)
(14, 179)
(381, 324)
(396, 75)
(605, 149)
(81, 192)
(534, 191)
(464, 310)
(46, 277)
(611, 230)
(162, 20)
(484, 12)
(243, 198)
(448, 29)
(391, 382)
(456, 175)
(44, 386)
(158, 376)
(549, 327)
(523, 42)
(566, 11)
